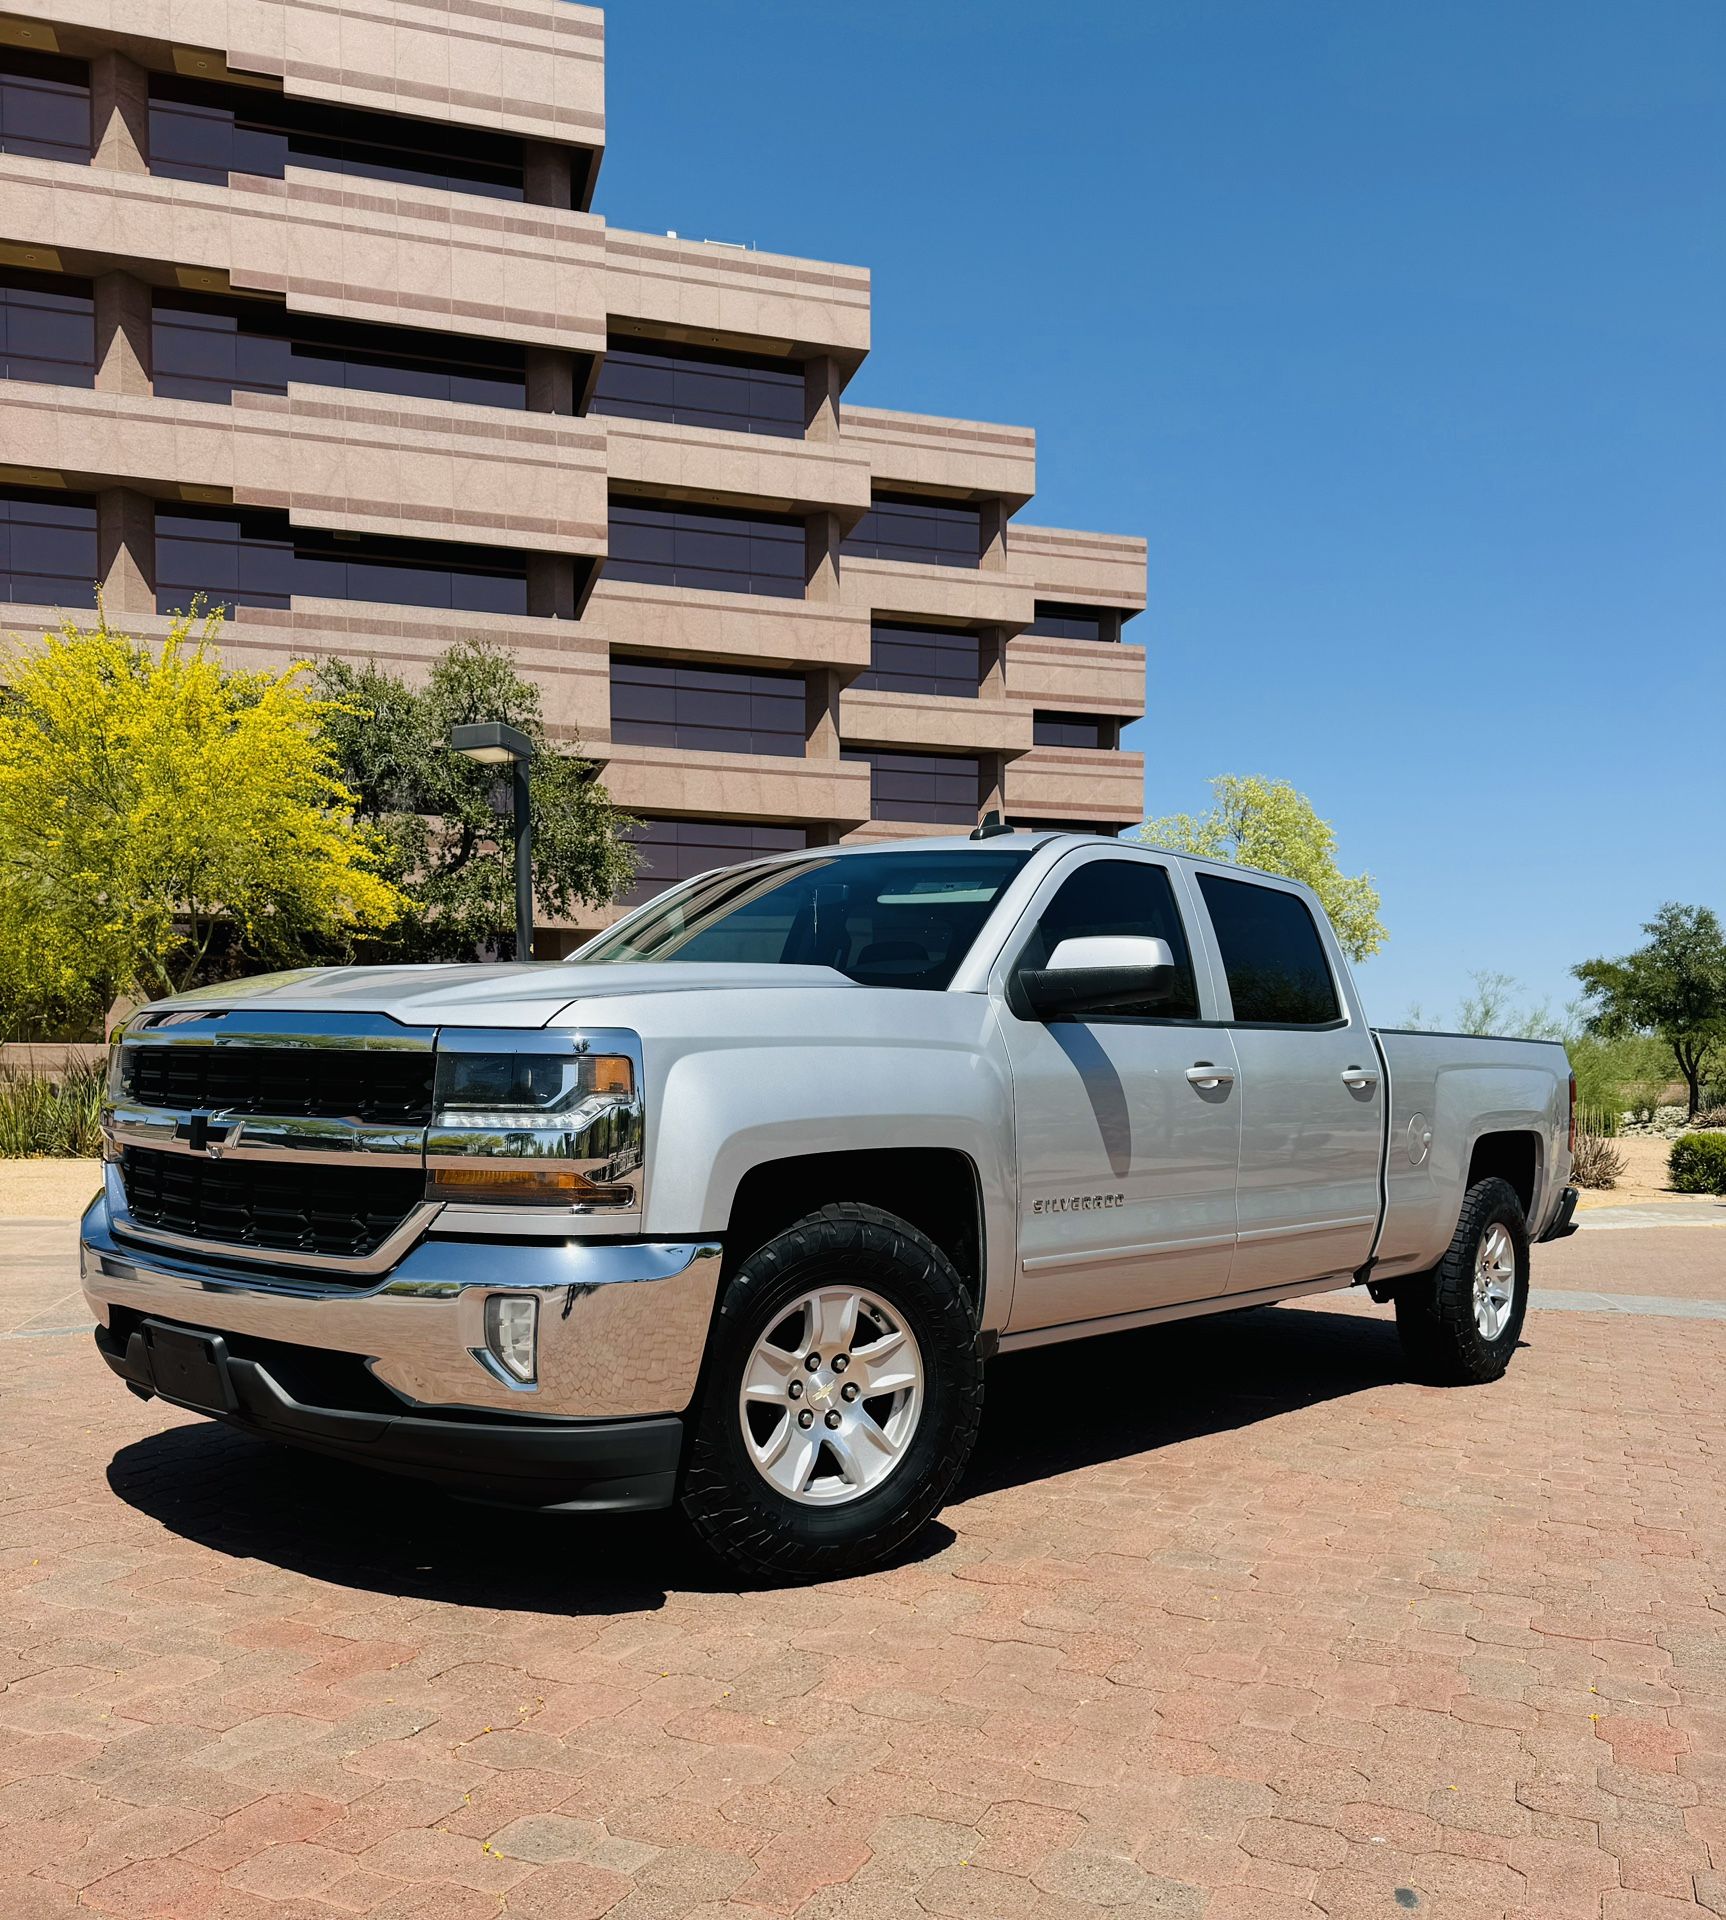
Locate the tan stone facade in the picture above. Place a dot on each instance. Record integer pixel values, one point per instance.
(364, 258)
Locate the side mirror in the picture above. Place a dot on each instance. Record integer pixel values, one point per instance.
(1102, 973)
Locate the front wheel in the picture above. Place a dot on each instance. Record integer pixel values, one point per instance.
(841, 1397)
(1461, 1322)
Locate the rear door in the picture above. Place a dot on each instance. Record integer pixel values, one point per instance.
(1312, 1101)
(1128, 1124)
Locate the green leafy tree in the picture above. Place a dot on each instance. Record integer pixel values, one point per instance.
(164, 821)
(446, 822)
(1270, 825)
(1674, 987)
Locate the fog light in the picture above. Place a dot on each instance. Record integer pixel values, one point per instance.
(512, 1333)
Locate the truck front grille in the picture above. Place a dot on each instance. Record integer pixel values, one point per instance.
(344, 1083)
(269, 1206)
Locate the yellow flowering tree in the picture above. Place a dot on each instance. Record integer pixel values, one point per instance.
(163, 820)
(1271, 825)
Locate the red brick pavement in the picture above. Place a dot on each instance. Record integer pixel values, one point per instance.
(1230, 1621)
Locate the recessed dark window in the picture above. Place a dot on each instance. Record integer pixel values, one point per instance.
(1073, 730)
(671, 851)
(243, 559)
(234, 559)
(47, 548)
(205, 130)
(1057, 621)
(933, 660)
(44, 106)
(707, 709)
(696, 387)
(1272, 956)
(927, 533)
(706, 547)
(941, 789)
(47, 330)
(209, 348)
(1118, 897)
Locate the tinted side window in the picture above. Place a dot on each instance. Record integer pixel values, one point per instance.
(926, 533)
(1119, 897)
(1272, 955)
(44, 106)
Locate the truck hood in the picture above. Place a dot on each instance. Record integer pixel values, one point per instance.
(508, 995)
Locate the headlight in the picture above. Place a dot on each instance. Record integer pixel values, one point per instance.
(536, 1119)
(485, 1088)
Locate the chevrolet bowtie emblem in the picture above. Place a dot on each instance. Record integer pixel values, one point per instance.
(202, 1137)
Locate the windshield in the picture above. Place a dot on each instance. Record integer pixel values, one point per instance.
(890, 919)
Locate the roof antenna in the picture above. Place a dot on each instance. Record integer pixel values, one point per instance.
(991, 826)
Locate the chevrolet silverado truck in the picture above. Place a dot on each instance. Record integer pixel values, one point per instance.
(733, 1208)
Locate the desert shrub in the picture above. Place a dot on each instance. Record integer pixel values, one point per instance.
(1712, 1117)
(61, 1118)
(1598, 1120)
(1698, 1163)
(1596, 1161)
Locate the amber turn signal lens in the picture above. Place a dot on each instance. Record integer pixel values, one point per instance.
(610, 1073)
(528, 1181)
(526, 1185)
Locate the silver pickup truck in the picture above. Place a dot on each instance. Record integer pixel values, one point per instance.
(734, 1207)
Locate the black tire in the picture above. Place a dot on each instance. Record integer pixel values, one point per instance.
(1435, 1312)
(741, 1517)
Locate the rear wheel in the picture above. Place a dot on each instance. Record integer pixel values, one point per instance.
(1461, 1322)
(841, 1397)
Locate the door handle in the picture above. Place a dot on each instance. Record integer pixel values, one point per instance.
(1204, 1075)
(1359, 1077)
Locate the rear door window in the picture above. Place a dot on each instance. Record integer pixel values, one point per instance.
(1272, 955)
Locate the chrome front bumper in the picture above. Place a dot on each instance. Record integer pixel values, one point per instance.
(622, 1326)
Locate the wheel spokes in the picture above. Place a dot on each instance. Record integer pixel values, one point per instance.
(811, 1389)
(770, 1451)
(833, 1321)
(874, 1437)
(797, 1464)
(770, 1373)
(884, 1366)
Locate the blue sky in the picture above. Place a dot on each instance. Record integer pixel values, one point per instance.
(1397, 330)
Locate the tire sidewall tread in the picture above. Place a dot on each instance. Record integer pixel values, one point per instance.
(733, 1510)
(1435, 1313)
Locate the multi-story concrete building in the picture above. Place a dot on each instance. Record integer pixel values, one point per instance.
(304, 306)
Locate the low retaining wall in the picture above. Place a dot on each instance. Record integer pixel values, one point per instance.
(47, 1059)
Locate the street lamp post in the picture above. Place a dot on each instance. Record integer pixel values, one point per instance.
(492, 744)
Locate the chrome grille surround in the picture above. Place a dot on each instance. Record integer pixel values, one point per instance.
(221, 1048)
(603, 1138)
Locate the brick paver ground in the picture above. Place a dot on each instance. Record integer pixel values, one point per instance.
(1229, 1621)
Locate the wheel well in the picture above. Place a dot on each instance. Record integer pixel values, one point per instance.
(1514, 1157)
(934, 1188)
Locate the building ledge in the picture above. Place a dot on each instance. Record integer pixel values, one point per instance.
(748, 786)
(971, 596)
(741, 629)
(927, 723)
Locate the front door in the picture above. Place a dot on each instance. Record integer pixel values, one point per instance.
(1128, 1124)
(1312, 1100)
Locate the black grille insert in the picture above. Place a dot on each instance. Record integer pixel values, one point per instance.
(271, 1206)
(342, 1083)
